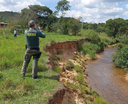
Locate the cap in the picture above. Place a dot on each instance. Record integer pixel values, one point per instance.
(31, 23)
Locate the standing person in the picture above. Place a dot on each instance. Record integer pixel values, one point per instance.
(15, 33)
(32, 49)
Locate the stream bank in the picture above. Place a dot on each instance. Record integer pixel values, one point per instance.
(76, 92)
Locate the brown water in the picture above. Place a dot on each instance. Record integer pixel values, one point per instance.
(107, 80)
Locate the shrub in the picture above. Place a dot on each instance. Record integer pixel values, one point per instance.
(92, 36)
(122, 39)
(120, 58)
(56, 69)
(89, 48)
(92, 53)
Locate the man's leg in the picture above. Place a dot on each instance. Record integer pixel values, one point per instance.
(34, 68)
(35, 64)
(25, 63)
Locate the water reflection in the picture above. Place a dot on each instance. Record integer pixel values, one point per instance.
(108, 80)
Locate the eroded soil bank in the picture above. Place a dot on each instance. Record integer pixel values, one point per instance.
(69, 50)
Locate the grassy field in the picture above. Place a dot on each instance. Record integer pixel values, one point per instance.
(15, 89)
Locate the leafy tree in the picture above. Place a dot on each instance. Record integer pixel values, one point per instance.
(62, 6)
(74, 26)
(116, 26)
(98, 30)
(93, 26)
(85, 26)
(63, 25)
(45, 16)
(26, 15)
(101, 27)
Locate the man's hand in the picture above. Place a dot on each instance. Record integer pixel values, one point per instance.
(39, 29)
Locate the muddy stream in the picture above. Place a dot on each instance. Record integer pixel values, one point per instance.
(109, 81)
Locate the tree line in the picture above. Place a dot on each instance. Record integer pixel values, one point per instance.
(48, 20)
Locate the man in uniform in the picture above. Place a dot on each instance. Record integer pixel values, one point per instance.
(32, 48)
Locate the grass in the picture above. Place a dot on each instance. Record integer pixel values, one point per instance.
(57, 69)
(18, 90)
(69, 65)
(99, 100)
(78, 68)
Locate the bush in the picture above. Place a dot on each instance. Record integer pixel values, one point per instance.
(107, 40)
(92, 36)
(122, 39)
(120, 58)
(89, 48)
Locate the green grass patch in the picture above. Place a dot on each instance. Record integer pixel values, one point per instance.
(56, 69)
(78, 68)
(72, 85)
(69, 65)
(99, 100)
(80, 78)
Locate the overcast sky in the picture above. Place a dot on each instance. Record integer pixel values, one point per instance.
(94, 11)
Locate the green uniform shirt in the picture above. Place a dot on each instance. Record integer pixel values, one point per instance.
(32, 37)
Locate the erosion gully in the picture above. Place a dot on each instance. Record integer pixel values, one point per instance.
(108, 80)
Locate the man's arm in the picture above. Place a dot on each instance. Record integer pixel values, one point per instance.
(41, 33)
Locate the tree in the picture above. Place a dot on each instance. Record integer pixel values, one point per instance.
(44, 15)
(115, 27)
(62, 6)
(93, 26)
(85, 26)
(74, 26)
(25, 16)
(62, 25)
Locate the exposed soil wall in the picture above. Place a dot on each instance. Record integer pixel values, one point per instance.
(67, 50)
